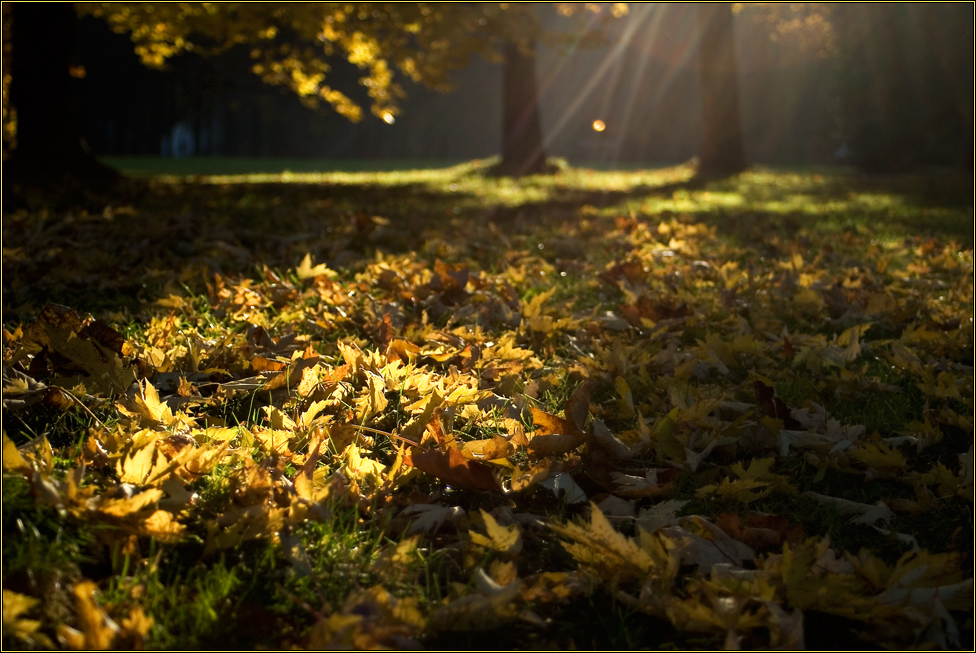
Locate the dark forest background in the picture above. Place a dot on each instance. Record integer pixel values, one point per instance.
(897, 93)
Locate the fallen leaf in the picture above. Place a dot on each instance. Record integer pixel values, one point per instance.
(505, 539)
(454, 469)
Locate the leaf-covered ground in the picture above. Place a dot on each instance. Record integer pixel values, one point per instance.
(434, 409)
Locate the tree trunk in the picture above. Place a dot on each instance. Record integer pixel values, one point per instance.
(49, 144)
(523, 152)
(721, 149)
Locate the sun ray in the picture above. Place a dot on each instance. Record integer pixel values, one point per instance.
(615, 89)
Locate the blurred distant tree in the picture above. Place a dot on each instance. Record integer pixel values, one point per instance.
(523, 147)
(807, 25)
(721, 149)
(904, 75)
(516, 29)
(907, 83)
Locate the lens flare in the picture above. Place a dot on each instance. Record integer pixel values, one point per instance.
(599, 125)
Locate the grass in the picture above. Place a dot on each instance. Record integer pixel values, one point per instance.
(677, 300)
(153, 166)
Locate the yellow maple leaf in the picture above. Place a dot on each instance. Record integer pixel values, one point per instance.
(218, 433)
(279, 420)
(162, 526)
(814, 579)
(358, 467)
(394, 560)
(138, 464)
(743, 490)
(879, 458)
(146, 406)
(600, 547)
(308, 419)
(851, 338)
(414, 428)
(491, 606)
(137, 625)
(625, 403)
(506, 539)
(273, 440)
(373, 401)
(496, 448)
(97, 630)
(533, 307)
(554, 586)
(503, 572)
(12, 458)
(127, 506)
(305, 270)
(26, 630)
(808, 300)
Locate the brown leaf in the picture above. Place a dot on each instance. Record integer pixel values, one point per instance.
(436, 431)
(526, 477)
(547, 423)
(451, 467)
(553, 434)
(450, 276)
(654, 483)
(578, 407)
(103, 334)
(261, 364)
(76, 351)
(773, 406)
(490, 449)
(53, 315)
(555, 444)
(383, 333)
(755, 537)
(633, 271)
(291, 375)
(402, 350)
(339, 374)
(788, 351)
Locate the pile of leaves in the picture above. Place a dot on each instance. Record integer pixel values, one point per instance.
(650, 415)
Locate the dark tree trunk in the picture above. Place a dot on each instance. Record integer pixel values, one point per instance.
(49, 144)
(721, 150)
(523, 152)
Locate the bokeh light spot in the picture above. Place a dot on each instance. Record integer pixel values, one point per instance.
(599, 125)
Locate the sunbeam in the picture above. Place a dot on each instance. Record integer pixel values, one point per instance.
(610, 85)
(611, 62)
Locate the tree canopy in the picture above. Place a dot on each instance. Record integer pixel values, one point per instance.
(296, 45)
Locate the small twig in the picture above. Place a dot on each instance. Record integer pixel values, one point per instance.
(387, 434)
(75, 399)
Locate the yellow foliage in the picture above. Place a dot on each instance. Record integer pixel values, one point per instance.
(500, 538)
(26, 630)
(599, 547)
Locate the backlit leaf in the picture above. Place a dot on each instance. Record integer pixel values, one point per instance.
(598, 546)
(500, 538)
(454, 469)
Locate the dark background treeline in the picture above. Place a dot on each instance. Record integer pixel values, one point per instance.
(897, 92)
